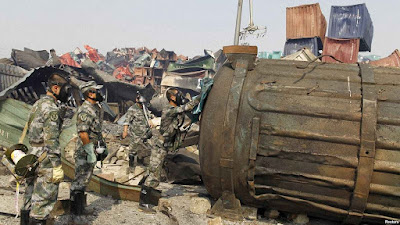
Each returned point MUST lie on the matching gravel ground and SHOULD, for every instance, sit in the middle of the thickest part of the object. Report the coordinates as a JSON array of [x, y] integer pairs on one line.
[[110, 211]]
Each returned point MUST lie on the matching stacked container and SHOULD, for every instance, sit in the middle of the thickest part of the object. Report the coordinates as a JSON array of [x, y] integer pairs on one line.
[[305, 27], [347, 24]]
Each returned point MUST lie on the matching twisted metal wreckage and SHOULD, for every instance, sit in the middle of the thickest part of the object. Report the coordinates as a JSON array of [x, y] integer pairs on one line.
[[314, 138]]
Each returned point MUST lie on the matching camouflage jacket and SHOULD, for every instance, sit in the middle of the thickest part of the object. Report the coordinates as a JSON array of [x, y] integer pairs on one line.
[[171, 120], [45, 125], [89, 120], [136, 120]]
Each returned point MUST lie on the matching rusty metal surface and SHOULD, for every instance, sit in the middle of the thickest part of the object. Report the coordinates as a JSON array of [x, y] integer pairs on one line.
[[302, 147], [393, 60], [345, 50], [305, 21]]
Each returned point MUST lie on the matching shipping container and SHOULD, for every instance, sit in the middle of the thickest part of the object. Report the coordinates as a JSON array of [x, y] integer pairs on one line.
[[392, 60], [345, 50], [294, 45], [305, 21], [352, 22]]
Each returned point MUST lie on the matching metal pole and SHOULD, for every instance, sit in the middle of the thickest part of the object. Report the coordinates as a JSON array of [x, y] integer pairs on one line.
[[238, 21], [251, 12]]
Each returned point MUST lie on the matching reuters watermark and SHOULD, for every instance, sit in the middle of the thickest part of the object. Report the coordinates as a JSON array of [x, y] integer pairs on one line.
[[392, 221]]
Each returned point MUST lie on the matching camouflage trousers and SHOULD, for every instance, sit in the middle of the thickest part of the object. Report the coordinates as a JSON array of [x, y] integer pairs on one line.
[[157, 158], [138, 147], [40, 193], [83, 171]]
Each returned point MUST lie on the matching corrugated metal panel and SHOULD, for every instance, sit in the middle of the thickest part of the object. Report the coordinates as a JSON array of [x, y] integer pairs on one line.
[[352, 22], [305, 21], [294, 45], [10, 74], [345, 50], [303, 55], [13, 116], [392, 60]]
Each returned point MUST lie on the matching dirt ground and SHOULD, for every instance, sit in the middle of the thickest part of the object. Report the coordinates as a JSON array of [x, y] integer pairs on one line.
[[110, 211]]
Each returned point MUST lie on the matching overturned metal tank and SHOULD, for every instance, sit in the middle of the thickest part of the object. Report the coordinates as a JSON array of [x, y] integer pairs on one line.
[[321, 139]]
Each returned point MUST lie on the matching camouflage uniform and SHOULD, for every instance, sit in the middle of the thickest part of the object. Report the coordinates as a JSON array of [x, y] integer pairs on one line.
[[44, 130], [138, 129], [90, 121], [171, 120]]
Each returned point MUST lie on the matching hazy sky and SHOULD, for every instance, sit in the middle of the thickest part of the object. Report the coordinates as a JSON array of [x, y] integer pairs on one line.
[[185, 26]]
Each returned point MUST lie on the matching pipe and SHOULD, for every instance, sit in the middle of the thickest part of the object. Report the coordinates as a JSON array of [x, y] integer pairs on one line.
[[251, 13], [238, 21]]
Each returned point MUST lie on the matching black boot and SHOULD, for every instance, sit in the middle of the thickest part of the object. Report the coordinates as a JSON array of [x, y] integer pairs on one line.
[[132, 162], [77, 202], [149, 198], [34, 221], [24, 220]]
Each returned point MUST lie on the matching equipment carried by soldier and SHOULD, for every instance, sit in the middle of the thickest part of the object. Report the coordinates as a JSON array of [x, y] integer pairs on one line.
[[20, 164]]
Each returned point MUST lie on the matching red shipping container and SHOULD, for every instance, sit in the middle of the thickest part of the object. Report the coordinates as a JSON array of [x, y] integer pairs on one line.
[[122, 72], [392, 60], [345, 50], [67, 59], [305, 21]]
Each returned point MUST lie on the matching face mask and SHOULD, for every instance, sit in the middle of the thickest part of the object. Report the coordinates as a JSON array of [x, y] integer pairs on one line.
[[180, 100], [99, 96], [65, 93]]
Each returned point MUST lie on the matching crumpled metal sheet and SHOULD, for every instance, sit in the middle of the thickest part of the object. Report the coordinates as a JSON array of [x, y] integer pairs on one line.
[[117, 90], [189, 81], [33, 84]]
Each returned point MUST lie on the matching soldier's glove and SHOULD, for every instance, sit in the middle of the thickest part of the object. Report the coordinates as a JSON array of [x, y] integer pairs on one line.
[[89, 149], [58, 174], [149, 134]]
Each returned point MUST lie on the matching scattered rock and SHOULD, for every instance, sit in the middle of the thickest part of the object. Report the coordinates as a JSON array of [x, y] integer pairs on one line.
[[249, 212], [216, 221], [271, 214], [122, 162], [164, 203], [200, 205], [121, 155], [113, 160], [301, 219]]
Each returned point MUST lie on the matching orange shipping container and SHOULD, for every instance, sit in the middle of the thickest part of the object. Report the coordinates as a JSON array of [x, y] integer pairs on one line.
[[345, 50], [305, 21], [392, 60]]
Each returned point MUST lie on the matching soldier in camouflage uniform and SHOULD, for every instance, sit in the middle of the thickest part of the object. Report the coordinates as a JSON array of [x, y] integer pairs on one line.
[[138, 128], [44, 127], [89, 128], [167, 140]]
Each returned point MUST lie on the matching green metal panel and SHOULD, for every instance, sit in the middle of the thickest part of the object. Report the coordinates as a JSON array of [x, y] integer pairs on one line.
[[13, 116], [206, 63]]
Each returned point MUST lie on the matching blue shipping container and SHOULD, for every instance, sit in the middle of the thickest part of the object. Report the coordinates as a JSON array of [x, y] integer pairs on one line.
[[352, 22], [294, 45]]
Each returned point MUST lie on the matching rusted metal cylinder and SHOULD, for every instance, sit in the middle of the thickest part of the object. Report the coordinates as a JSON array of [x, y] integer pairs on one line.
[[321, 139]]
